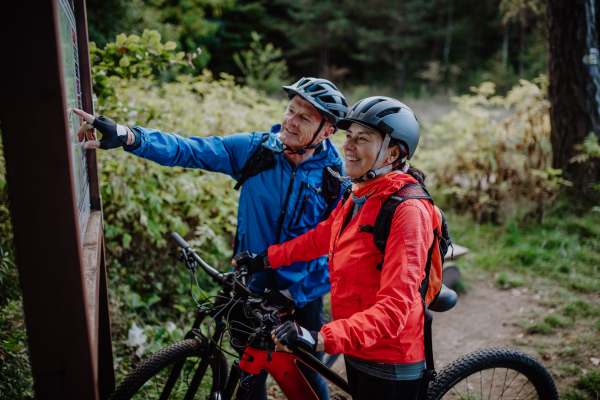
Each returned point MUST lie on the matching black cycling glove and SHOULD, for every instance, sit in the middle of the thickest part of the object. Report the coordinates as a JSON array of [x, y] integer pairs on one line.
[[254, 262], [113, 135], [277, 299], [294, 336]]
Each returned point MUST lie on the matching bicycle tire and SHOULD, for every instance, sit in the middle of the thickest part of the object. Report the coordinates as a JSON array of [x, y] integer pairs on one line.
[[454, 379], [186, 350]]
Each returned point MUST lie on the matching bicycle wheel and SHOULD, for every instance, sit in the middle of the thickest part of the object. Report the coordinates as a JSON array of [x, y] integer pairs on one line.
[[169, 373], [498, 373]]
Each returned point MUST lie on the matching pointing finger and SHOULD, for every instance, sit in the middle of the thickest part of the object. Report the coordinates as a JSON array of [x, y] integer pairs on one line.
[[88, 117]]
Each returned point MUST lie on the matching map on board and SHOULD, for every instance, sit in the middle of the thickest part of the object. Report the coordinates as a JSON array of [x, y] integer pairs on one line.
[[70, 61]]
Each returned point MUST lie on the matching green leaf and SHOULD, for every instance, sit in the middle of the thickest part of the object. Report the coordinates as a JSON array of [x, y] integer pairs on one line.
[[124, 62], [133, 39], [126, 240], [121, 39], [170, 45]]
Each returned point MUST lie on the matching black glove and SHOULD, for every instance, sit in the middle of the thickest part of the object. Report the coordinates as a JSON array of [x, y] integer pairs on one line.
[[254, 262], [294, 336], [277, 299], [113, 135]]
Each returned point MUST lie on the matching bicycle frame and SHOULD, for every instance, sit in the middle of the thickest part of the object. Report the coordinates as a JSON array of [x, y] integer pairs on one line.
[[283, 367]]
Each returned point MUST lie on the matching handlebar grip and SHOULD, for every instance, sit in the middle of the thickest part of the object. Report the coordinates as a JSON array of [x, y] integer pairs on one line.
[[179, 240]]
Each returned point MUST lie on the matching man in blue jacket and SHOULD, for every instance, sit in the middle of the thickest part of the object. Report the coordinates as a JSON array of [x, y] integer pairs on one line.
[[286, 190]]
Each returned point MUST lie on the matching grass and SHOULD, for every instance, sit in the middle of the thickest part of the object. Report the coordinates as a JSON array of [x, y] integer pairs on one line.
[[559, 260]]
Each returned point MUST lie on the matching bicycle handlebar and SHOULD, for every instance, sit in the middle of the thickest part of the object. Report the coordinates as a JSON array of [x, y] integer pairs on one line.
[[185, 246], [179, 240]]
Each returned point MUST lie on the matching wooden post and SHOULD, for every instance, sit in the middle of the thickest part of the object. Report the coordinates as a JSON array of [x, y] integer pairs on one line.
[[55, 198]]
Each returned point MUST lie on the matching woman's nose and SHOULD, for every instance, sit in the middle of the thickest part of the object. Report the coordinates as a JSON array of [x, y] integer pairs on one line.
[[348, 145]]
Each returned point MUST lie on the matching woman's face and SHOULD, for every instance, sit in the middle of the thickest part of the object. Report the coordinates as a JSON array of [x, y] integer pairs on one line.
[[362, 147]]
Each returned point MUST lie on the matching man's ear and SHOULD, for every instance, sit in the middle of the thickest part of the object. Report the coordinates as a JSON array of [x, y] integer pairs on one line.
[[327, 131]]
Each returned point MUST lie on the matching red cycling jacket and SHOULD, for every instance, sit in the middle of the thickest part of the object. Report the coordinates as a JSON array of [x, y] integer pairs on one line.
[[378, 315]]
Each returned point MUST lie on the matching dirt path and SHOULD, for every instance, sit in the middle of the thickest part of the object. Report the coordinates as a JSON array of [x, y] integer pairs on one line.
[[484, 317]]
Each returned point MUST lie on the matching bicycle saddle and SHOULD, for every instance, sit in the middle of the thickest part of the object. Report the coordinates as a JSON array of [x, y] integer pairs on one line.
[[446, 300]]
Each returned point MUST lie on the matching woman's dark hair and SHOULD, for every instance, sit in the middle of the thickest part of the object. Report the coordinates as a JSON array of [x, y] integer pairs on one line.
[[398, 165]]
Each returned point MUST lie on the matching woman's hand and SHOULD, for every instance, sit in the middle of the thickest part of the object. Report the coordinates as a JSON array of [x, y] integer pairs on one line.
[[114, 135], [290, 333]]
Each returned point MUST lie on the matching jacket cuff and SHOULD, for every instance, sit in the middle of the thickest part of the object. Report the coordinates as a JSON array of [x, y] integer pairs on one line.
[[328, 339], [140, 140], [274, 255]]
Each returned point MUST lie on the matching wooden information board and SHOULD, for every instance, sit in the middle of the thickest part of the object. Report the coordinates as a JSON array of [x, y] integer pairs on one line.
[[55, 197]]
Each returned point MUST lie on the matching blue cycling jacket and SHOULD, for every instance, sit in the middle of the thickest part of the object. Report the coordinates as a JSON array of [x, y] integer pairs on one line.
[[275, 206]]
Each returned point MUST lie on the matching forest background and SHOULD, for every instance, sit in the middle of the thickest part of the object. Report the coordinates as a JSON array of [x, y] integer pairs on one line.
[[474, 72]]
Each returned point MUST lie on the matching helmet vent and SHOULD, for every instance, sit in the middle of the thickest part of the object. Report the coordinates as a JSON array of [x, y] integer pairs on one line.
[[314, 88], [330, 84], [344, 102], [327, 99], [371, 104], [387, 112], [356, 105]]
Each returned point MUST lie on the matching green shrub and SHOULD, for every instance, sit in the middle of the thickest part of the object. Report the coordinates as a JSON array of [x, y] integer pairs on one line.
[[492, 155], [590, 383], [574, 394]]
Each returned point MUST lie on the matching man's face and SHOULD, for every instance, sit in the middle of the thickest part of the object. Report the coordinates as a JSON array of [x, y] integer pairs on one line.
[[300, 122]]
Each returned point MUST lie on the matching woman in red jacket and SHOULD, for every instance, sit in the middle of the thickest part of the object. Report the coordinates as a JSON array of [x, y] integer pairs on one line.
[[377, 309]]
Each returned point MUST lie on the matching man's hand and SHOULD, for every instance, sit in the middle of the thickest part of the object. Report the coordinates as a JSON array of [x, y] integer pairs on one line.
[[290, 335], [254, 262], [113, 135], [277, 299]]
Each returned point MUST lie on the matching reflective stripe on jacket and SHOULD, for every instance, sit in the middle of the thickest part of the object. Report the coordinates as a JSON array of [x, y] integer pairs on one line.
[[280, 196], [378, 315]]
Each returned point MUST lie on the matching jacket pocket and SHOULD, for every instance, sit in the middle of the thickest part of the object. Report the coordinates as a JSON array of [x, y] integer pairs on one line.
[[308, 209]]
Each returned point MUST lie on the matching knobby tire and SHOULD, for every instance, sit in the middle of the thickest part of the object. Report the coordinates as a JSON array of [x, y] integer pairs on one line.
[[133, 386], [496, 368]]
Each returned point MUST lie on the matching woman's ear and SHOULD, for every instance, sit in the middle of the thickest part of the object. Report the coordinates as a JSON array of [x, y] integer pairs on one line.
[[394, 153]]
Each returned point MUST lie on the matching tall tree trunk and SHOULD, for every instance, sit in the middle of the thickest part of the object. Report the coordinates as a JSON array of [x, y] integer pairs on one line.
[[435, 49], [400, 58], [324, 59], [522, 41], [505, 48], [574, 92], [469, 51], [448, 40]]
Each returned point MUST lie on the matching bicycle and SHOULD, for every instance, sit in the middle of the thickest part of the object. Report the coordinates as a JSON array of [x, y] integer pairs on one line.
[[177, 371]]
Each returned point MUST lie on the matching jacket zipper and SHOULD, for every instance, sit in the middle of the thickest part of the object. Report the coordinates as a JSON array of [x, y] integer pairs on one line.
[[302, 207], [285, 203]]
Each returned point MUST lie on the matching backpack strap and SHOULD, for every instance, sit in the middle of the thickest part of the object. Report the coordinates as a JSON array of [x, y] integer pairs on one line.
[[261, 160], [383, 222], [381, 233]]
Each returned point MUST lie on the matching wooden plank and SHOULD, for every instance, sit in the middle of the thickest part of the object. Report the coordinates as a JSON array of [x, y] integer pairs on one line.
[[92, 244], [85, 73], [106, 373], [43, 202]]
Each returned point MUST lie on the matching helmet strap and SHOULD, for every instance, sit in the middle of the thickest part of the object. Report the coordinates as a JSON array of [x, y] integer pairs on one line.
[[374, 172], [301, 151]]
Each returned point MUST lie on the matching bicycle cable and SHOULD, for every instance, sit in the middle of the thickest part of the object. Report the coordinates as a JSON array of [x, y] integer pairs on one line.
[[212, 339]]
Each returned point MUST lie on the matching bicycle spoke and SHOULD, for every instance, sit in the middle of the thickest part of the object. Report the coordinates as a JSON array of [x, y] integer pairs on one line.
[[481, 384], [458, 393], [523, 387], [502, 394], [492, 384], [529, 394]]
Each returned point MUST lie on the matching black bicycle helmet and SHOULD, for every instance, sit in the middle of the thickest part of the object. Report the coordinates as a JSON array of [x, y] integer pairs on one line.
[[390, 117]]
